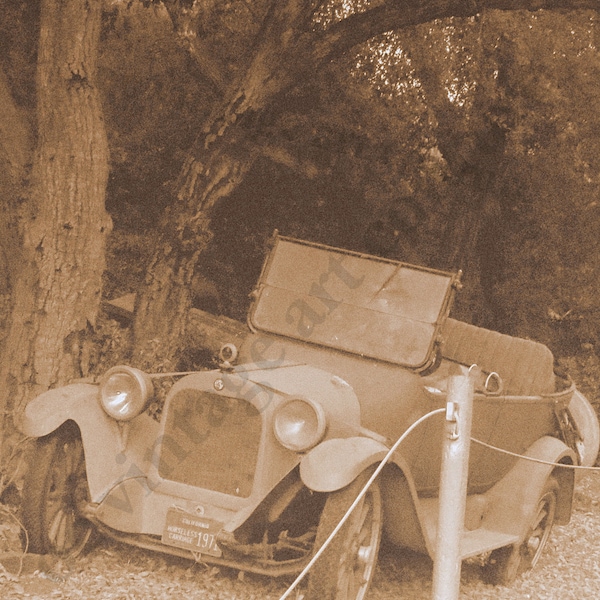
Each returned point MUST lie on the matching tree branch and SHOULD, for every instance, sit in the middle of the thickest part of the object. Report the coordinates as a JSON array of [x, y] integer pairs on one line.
[[183, 19], [398, 14], [282, 156]]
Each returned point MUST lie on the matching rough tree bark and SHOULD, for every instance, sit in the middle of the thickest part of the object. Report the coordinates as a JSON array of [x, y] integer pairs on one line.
[[63, 224], [288, 49], [15, 155]]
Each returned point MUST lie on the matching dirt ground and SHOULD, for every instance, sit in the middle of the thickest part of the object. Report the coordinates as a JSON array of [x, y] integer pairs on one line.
[[569, 569]]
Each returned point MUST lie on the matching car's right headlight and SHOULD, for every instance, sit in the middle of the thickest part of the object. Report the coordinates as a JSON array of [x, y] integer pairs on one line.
[[125, 392], [299, 424]]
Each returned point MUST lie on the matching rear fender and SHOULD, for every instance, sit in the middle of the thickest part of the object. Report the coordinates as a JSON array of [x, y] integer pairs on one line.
[[113, 451], [586, 419], [512, 501]]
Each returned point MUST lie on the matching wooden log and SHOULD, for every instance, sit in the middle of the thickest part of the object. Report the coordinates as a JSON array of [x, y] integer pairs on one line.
[[209, 331], [204, 330]]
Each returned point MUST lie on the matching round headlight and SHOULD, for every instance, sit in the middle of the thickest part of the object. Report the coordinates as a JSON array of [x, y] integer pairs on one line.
[[125, 392], [299, 424]]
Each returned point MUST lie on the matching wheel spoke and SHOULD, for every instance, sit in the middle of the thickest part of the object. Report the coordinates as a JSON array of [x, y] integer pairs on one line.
[[53, 504], [54, 500], [507, 563], [537, 534], [56, 531], [358, 563], [353, 586], [541, 517], [344, 581], [70, 531], [58, 480], [67, 457], [364, 511], [365, 524], [78, 459]]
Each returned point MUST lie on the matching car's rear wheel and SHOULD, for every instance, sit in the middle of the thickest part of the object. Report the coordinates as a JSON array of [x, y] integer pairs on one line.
[[54, 490], [506, 564], [346, 568]]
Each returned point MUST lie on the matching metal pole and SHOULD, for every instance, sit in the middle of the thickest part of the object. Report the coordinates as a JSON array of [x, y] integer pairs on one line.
[[453, 487]]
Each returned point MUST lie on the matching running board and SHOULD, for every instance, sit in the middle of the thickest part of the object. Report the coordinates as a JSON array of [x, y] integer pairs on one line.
[[474, 541], [480, 541]]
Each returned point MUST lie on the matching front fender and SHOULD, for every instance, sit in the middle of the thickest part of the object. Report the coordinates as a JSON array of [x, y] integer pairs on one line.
[[76, 402], [113, 451], [335, 463]]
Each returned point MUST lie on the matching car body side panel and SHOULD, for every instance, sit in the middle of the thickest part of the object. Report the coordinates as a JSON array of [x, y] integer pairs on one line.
[[391, 398], [506, 508], [113, 451]]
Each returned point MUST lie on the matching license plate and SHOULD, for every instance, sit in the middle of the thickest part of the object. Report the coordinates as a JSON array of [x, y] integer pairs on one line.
[[188, 531]]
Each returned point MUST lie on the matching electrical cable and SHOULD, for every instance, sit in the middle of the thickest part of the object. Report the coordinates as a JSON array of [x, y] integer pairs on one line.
[[531, 459], [367, 485]]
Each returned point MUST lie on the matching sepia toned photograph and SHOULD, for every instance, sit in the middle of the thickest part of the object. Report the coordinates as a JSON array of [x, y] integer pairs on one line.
[[299, 299]]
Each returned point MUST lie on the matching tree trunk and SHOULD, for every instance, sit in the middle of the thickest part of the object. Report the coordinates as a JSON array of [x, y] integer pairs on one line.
[[64, 225], [218, 162]]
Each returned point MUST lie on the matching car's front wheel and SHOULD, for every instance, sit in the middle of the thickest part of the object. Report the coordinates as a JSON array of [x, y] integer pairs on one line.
[[345, 569], [54, 490]]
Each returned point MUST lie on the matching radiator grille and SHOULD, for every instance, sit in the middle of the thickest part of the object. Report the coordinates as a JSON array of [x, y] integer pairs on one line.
[[211, 442]]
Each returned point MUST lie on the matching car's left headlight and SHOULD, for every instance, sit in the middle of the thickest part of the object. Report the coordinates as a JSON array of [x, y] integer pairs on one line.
[[299, 424], [125, 392]]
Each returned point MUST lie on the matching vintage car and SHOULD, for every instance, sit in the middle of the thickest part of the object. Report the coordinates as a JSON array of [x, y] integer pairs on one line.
[[253, 464]]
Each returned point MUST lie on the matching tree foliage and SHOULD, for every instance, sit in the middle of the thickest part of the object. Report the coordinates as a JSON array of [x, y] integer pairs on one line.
[[154, 103], [446, 133], [418, 144]]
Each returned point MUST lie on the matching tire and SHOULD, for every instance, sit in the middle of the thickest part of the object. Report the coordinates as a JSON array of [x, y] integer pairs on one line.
[[345, 570], [506, 564], [54, 489]]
